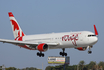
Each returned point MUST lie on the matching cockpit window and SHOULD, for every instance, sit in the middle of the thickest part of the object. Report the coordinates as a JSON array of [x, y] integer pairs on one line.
[[91, 35]]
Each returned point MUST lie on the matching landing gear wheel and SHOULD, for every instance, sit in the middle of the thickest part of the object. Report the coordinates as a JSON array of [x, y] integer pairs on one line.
[[89, 52], [37, 53], [63, 53], [40, 54]]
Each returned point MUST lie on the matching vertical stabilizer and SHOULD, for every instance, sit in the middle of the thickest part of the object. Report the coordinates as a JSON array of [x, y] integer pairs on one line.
[[17, 31]]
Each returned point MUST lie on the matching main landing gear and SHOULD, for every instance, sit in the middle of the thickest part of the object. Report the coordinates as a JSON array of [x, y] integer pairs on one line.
[[40, 54], [63, 53], [89, 52]]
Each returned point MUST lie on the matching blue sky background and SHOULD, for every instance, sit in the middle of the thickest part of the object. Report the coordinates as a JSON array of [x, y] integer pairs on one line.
[[47, 16]]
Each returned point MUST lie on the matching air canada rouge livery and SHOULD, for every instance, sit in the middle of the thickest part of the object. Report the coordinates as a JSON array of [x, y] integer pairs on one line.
[[80, 40]]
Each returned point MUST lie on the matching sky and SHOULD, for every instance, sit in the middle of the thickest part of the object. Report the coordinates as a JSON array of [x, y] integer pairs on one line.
[[48, 16]]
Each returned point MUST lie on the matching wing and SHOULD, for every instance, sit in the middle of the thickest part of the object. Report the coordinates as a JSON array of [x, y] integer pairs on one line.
[[26, 43]]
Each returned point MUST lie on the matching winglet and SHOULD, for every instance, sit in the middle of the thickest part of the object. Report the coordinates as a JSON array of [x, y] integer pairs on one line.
[[95, 29]]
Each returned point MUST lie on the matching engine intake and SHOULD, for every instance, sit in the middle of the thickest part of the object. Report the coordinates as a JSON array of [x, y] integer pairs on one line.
[[42, 47]]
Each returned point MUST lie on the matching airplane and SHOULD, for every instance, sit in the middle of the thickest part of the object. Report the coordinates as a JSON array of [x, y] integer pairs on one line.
[[80, 40]]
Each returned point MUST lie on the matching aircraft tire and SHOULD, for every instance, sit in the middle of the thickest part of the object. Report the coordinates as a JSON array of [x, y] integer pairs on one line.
[[60, 53], [37, 53], [65, 54], [89, 52], [42, 55]]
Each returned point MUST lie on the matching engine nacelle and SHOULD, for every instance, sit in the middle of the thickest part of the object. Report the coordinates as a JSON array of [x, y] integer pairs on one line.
[[82, 48], [42, 47]]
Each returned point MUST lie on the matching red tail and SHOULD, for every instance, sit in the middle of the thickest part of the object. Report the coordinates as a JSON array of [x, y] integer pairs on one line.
[[17, 31]]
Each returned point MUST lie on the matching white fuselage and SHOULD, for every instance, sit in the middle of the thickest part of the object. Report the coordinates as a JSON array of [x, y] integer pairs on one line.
[[65, 39]]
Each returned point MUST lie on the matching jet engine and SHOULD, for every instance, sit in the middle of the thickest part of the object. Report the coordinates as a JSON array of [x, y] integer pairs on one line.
[[42, 47], [81, 48]]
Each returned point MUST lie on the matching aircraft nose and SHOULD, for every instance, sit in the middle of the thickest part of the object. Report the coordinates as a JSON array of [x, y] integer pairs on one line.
[[95, 39]]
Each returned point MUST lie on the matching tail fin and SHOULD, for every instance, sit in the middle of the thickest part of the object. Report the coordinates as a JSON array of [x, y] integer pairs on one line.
[[17, 31]]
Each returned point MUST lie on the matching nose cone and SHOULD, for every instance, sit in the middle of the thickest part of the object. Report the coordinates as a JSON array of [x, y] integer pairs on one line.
[[94, 40]]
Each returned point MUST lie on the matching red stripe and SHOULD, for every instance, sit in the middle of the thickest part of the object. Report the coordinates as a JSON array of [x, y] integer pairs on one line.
[[23, 34], [18, 38], [10, 14], [14, 23]]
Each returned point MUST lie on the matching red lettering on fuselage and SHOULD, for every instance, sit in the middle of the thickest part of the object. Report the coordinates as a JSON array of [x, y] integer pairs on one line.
[[72, 37]]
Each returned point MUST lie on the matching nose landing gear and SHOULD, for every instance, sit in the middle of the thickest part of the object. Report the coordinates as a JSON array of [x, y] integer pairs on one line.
[[63, 53], [89, 52]]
